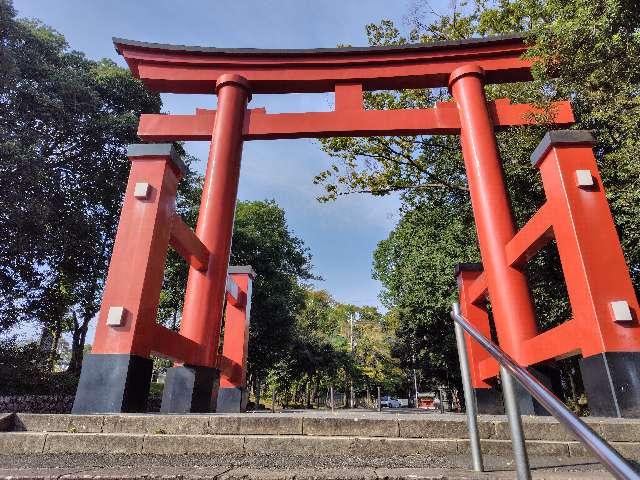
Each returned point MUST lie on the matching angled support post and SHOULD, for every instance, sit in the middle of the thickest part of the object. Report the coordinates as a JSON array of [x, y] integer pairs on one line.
[[232, 395], [487, 397], [116, 375]]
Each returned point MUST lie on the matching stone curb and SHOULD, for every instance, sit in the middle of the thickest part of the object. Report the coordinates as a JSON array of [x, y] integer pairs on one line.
[[364, 424], [126, 443]]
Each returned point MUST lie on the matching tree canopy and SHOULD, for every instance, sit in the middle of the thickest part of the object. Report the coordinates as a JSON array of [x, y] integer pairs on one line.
[[64, 123], [584, 51]]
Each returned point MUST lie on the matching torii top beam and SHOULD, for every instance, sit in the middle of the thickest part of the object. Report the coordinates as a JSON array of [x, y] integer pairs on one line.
[[188, 69]]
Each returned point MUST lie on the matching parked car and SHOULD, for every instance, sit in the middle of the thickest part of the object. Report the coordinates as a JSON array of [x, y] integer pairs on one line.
[[389, 402]]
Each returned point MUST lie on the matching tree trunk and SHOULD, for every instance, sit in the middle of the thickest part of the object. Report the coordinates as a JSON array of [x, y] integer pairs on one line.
[[49, 345], [256, 387], [78, 342]]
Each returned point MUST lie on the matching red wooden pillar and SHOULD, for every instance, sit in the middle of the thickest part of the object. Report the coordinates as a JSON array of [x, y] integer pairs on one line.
[[232, 396], [510, 298], [116, 375], [603, 300], [474, 310], [202, 313], [193, 387]]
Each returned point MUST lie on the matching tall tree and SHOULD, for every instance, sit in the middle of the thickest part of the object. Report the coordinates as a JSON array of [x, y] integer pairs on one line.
[[64, 123], [262, 239]]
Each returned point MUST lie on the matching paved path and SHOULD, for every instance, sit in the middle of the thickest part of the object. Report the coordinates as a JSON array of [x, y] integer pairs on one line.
[[276, 467]]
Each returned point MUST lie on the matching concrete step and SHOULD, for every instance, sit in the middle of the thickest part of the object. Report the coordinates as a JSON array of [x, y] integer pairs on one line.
[[133, 443], [358, 434]]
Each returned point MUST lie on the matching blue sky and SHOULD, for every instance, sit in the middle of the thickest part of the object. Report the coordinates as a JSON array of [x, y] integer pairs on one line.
[[341, 235]]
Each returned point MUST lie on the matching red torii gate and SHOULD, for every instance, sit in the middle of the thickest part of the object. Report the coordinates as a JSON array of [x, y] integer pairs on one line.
[[234, 74]]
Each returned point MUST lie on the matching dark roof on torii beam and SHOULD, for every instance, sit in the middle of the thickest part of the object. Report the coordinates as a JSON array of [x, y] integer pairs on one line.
[[191, 69]]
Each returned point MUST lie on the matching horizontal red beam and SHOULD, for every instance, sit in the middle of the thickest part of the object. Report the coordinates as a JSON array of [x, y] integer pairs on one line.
[[182, 69], [535, 234], [478, 289], [556, 343], [230, 369], [188, 245], [259, 125], [173, 345], [559, 342]]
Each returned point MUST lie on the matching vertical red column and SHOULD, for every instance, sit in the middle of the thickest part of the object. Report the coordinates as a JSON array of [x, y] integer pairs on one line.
[[510, 298], [603, 301], [487, 397], [115, 376], [202, 313], [232, 396]]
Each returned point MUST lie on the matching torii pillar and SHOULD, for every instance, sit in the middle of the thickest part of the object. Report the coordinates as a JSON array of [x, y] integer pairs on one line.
[[204, 299]]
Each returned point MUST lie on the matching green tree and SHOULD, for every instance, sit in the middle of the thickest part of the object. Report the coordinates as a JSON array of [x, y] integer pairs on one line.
[[339, 345], [64, 123], [584, 51], [262, 239]]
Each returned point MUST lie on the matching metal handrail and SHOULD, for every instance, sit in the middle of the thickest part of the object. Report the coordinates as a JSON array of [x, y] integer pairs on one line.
[[610, 458]]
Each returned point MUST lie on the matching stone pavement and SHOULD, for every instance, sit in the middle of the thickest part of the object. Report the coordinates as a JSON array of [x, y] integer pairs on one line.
[[279, 467]]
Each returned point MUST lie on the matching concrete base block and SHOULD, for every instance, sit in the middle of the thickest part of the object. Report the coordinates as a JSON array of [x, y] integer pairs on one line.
[[190, 389], [232, 400], [270, 425], [612, 383], [550, 377], [113, 383], [55, 422], [489, 401], [193, 445]]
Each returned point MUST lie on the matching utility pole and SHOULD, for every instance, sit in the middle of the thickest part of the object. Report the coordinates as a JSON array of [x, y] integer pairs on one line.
[[415, 375], [415, 379], [351, 398], [331, 386]]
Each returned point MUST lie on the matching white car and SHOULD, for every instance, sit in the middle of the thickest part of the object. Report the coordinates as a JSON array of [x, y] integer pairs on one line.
[[389, 402]]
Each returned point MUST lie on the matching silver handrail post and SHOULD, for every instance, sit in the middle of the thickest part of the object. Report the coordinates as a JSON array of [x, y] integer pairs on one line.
[[469, 396], [515, 425], [610, 458]]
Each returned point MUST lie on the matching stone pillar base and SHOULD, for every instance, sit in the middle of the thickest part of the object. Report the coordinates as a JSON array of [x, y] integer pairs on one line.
[[489, 401], [113, 383], [232, 400], [550, 377], [612, 383], [190, 389]]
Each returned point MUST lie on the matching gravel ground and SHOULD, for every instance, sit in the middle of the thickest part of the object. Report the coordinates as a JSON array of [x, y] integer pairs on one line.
[[279, 462]]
